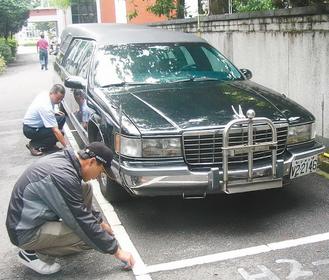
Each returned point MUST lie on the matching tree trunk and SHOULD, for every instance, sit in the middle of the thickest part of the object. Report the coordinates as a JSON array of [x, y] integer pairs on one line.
[[180, 8]]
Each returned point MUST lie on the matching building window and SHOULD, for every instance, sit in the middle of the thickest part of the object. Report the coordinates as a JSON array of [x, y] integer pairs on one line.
[[84, 11]]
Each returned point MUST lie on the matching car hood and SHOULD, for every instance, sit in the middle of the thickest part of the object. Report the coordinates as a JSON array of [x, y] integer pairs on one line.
[[191, 105]]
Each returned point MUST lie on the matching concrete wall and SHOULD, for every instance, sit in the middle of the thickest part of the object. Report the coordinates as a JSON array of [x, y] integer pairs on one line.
[[287, 50]]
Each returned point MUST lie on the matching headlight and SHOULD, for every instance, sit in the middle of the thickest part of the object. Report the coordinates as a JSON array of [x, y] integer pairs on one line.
[[301, 133], [167, 147], [130, 147], [136, 147]]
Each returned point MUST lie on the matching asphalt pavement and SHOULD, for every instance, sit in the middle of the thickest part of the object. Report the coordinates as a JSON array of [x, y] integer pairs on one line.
[[22, 81]]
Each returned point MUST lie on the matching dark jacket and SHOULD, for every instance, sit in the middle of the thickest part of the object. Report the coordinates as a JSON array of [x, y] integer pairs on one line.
[[51, 189]]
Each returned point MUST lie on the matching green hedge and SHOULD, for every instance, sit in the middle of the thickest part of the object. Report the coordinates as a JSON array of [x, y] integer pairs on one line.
[[5, 51], [12, 43], [8, 49], [2, 65]]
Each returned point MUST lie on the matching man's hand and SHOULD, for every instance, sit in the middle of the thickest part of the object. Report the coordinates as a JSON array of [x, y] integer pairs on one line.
[[107, 228], [59, 136], [126, 258], [60, 113]]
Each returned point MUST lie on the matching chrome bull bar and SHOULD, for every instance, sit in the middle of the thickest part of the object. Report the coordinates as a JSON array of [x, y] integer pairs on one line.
[[250, 148]]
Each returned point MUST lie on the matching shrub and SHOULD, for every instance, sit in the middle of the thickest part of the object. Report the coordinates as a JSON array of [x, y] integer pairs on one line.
[[5, 51], [252, 5], [2, 64], [12, 43]]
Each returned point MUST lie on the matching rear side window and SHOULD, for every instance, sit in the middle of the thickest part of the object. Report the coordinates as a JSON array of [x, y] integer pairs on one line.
[[69, 61], [78, 57], [65, 43], [86, 54]]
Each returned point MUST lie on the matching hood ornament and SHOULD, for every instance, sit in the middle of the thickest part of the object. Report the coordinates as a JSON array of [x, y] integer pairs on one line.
[[240, 115]]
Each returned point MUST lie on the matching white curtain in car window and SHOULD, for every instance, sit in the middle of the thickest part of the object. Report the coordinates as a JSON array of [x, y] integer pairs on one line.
[[120, 11]]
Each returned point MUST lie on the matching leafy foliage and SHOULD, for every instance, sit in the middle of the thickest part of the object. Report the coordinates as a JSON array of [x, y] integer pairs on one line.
[[60, 4], [5, 51], [13, 15], [162, 7], [2, 64], [252, 5], [12, 43]]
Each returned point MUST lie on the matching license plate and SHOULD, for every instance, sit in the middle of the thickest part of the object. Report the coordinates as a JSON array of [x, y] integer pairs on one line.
[[303, 166]]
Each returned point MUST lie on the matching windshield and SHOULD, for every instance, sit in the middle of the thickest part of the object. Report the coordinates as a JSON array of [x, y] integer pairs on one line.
[[161, 63]]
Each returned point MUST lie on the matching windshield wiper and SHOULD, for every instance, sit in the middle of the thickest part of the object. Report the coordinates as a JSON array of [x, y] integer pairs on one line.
[[195, 79], [123, 83]]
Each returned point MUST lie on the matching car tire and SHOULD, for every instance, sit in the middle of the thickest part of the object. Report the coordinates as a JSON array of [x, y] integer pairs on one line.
[[111, 190]]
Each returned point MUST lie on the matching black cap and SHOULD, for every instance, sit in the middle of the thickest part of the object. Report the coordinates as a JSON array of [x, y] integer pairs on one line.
[[102, 153]]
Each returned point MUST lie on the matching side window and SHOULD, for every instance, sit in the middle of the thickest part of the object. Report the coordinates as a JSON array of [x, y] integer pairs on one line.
[[220, 64], [85, 60], [69, 56], [65, 43], [215, 62], [188, 57]]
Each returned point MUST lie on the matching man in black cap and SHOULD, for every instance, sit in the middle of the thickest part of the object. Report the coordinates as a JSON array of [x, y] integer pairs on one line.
[[50, 211]]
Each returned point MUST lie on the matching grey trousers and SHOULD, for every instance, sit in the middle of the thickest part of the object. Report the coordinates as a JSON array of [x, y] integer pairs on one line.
[[56, 239]]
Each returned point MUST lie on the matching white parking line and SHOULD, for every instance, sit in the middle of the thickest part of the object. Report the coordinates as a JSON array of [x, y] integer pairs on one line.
[[121, 235], [237, 253]]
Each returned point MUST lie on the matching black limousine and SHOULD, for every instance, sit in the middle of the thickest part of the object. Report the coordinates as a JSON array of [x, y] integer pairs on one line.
[[179, 116]]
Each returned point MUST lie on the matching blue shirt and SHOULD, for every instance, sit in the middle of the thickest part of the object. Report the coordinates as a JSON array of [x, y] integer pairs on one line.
[[41, 113]]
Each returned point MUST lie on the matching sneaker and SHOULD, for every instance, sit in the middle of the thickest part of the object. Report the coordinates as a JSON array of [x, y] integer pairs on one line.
[[41, 67], [34, 151], [32, 261]]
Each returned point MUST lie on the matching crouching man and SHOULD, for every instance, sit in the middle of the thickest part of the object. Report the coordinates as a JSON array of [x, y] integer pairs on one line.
[[50, 211], [42, 125]]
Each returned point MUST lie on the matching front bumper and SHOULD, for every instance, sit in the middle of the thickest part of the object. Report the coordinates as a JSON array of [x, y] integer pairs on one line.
[[175, 178]]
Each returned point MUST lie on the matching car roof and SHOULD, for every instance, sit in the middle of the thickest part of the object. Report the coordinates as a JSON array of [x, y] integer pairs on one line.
[[114, 34]]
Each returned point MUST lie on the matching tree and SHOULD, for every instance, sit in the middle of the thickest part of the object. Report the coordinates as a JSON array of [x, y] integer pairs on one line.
[[61, 4], [13, 15], [163, 7]]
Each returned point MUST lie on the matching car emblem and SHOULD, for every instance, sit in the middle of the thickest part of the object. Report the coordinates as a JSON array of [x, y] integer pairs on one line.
[[238, 115]]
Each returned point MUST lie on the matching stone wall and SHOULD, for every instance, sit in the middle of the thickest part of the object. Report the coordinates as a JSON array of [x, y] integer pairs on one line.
[[287, 50]]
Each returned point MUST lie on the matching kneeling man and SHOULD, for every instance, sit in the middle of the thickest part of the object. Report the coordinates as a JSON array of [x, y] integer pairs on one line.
[[42, 125]]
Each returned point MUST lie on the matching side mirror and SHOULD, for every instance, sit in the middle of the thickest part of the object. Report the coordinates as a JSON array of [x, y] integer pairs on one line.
[[75, 82], [247, 73]]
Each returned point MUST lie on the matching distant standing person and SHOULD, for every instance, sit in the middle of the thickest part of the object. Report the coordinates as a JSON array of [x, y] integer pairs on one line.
[[42, 49], [42, 125]]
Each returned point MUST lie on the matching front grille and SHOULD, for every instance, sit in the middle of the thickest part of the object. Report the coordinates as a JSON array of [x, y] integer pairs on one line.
[[205, 147]]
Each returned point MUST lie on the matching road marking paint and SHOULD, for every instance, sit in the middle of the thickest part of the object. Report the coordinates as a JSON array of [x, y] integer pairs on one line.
[[121, 234], [321, 262], [208, 259], [299, 241], [238, 253]]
